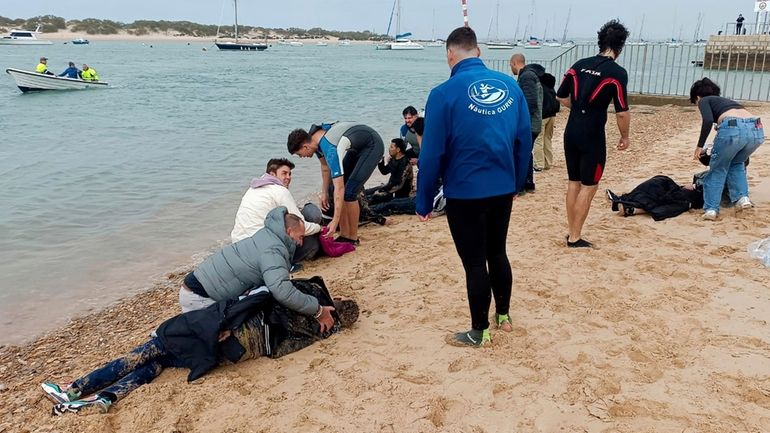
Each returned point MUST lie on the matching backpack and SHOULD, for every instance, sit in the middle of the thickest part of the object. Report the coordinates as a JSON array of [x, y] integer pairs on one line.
[[550, 104]]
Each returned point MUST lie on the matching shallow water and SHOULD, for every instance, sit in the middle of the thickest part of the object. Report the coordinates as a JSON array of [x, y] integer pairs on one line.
[[104, 191]]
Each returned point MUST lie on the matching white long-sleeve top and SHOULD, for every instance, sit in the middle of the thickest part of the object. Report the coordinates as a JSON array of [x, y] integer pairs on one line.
[[255, 205]]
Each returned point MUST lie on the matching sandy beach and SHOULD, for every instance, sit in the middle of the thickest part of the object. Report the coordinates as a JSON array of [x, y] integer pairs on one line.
[[662, 328], [68, 35]]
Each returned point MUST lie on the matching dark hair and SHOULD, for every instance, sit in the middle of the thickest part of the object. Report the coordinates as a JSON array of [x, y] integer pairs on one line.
[[297, 139], [463, 38], [612, 36], [274, 164], [548, 80], [400, 144], [72, 64], [409, 110], [419, 126], [703, 87], [292, 221]]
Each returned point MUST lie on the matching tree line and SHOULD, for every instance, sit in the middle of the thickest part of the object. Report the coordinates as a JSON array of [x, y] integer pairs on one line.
[[92, 26]]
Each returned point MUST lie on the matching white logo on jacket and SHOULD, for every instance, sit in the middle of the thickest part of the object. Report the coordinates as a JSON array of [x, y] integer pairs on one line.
[[489, 93]]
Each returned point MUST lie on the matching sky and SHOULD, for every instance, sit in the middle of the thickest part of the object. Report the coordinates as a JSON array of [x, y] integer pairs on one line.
[[662, 18]]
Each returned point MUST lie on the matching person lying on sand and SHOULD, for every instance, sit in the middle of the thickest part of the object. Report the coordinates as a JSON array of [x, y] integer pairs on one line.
[[226, 332]]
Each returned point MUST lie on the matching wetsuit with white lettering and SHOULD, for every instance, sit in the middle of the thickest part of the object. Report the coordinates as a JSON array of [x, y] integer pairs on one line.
[[591, 84]]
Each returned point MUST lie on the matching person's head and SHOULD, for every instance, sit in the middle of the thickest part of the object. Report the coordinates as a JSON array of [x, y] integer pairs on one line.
[[44, 60], [347, 311], [397, 147], [299, 143], [410, 113], [85, 67], [740, 15], [280, 168], [702, 88], [295, 227], [419, 126], [517, 63], [72, 64], [612, 38], [548, 80], [461, 44]]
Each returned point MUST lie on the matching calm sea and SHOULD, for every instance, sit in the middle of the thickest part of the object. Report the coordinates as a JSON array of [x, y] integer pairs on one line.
[[104, 191]]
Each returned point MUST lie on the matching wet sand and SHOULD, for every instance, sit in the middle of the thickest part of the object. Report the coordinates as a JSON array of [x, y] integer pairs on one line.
[[662, 328]]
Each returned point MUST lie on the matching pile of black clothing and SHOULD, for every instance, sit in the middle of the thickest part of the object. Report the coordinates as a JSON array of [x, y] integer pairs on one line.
[[659, 196]]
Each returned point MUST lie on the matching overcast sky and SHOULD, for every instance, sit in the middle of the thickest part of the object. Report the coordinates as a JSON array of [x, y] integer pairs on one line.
[[663, 18]]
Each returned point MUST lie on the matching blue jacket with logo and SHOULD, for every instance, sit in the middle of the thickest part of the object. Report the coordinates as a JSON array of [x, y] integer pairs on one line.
[[477, 136]]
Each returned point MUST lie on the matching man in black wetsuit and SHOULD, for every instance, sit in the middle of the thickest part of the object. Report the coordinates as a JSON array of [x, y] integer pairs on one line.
[[739, 24], [587, 89]]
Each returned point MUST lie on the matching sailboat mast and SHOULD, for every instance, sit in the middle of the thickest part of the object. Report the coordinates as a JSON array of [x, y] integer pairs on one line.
[[566, 23], [641, 28], [398, 18], [497, 22], [433, 34], [235, 2], [392, 11], [516, 33]]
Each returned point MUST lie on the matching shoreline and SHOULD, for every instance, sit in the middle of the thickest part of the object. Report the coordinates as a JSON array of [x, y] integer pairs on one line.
[[660, 329], [67, 36]]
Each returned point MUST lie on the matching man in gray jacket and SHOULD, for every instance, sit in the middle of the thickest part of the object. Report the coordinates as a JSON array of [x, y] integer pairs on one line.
[[529, 81], [263, 259]]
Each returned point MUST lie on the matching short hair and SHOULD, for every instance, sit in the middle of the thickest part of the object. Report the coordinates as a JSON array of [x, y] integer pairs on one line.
[[419, 126], [292, 221], [518, 57], [296, 140], [400, 144], [463, 38], [409, 110], [703, 87], [612, 36], [274, 164], [72, 64]]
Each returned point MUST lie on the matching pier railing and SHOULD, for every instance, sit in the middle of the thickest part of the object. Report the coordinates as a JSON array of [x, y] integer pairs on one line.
[[670, 69], [747, 29]]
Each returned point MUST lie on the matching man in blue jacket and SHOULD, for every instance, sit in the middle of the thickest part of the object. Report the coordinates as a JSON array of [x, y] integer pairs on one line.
[[478, 141], [71, 72]]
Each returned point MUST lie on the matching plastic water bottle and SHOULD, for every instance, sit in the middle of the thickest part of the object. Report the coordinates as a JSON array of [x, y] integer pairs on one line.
[[760, 250]]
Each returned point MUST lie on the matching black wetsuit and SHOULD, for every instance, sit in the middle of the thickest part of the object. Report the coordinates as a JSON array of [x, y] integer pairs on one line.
[[591, 84]]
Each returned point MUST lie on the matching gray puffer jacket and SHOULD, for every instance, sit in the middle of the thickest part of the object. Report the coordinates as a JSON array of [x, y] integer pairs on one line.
[[529, 81], [263, 259]]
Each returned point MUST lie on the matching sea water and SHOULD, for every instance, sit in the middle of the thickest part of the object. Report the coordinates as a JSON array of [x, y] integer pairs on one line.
[[104, 191]]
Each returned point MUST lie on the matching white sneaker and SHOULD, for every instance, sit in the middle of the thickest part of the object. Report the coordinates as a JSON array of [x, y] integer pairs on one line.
[[710, 215], [744, 203]]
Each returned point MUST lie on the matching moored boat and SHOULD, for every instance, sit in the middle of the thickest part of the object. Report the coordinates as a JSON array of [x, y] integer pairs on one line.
[[80, 41], [28, 81], [23, 37]]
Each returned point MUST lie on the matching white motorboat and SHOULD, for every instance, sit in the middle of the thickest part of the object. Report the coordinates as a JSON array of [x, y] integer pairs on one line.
[[295, 44], [434, 44], [344, 43], [23, 37], [499, 46], [321, 44], [28, 81]]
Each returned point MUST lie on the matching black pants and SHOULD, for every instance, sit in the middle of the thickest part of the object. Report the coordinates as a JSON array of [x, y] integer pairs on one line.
[[479, 229], [531, 169]]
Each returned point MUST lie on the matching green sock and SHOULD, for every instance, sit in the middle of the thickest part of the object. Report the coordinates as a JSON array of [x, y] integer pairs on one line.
[[485, 335], [502, 318]]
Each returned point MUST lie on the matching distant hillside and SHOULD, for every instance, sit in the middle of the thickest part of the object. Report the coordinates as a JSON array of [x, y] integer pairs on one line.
[[92, 26]]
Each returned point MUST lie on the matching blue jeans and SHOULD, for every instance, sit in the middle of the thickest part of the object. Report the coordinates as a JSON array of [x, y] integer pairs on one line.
[[736, 140], [123, 375]]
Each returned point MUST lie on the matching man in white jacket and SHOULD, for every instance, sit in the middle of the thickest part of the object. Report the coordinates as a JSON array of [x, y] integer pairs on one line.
[[265, 194]]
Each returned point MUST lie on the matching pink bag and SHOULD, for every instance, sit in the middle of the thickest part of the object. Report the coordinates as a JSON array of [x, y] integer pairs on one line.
[[333, 248]]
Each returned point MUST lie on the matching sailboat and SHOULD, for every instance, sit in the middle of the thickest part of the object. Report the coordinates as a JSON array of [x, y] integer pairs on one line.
[[402, 42], [433, 42], [237, 46], [497, 44]]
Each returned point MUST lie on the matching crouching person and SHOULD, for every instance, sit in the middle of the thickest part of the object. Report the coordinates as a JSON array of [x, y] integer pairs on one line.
[[229, 331], [263, 259]]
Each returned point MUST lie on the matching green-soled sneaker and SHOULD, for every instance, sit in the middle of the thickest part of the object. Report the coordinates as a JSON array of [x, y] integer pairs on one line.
[[472, 338], [91, 405], [57, 394], [504, 322]]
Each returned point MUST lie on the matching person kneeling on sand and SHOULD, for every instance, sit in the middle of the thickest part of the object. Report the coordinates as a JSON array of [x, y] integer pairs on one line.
[[401, 176], [260, 260], [266, 193], [226, 332]]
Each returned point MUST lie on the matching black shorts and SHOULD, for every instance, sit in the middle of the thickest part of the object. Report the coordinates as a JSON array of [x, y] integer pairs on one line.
[[585, 152]]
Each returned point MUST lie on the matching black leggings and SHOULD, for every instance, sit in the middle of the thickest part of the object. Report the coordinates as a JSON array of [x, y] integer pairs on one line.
[[479, 228]]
